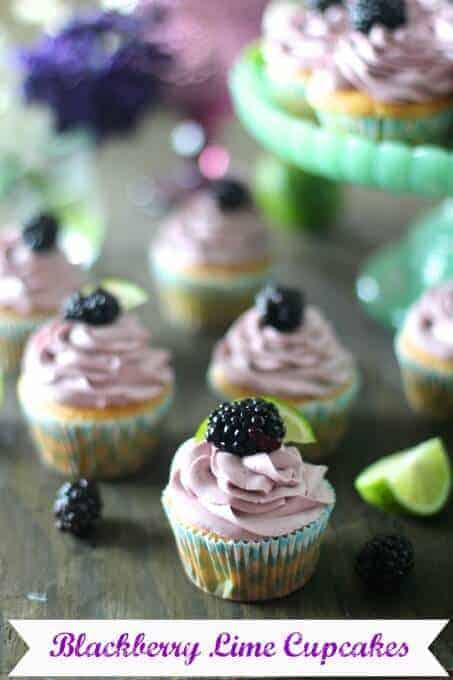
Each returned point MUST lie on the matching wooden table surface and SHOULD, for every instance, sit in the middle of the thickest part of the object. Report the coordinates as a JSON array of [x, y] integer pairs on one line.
[[131, 569]]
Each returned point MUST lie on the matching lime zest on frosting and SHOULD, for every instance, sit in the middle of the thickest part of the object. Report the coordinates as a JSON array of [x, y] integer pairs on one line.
[[129, 295]]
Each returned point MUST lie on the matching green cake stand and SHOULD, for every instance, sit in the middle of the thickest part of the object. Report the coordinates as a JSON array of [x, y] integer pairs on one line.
[[395, 277]]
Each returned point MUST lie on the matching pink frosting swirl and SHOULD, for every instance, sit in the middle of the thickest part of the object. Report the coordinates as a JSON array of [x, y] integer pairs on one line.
[[265, 495], [443, 26], [200, 233], [308, 363], [405, 65], [429, 324], [33, 282], [301, 39], [75, 364]]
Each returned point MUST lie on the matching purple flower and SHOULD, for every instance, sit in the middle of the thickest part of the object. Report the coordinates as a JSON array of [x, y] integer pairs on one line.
[[98, 73]]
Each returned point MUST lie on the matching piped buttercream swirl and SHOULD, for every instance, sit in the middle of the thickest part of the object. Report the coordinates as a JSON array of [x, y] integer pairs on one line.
[[429, 324], [308, 363], [75, 364], [258, 496], [200, 233], [34, 283]]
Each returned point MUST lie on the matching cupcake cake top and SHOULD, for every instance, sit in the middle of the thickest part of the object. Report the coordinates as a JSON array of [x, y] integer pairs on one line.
[[217, 226], [242, 481], [392, 54], [283, 347], [301, 35], [96, 356], [35, 275], [429, 324]]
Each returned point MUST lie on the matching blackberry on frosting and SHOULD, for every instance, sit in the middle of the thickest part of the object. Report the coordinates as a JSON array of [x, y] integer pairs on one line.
[[365, 14], [280, 307], [40, 234], [99, 308]]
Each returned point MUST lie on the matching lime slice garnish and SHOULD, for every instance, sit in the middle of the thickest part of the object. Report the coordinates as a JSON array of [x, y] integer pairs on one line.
[[417, 480], [298, 429], [129, 294]]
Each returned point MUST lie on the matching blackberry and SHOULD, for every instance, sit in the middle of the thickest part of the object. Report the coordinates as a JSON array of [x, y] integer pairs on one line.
[[40, 234], [231, 194], [77, 507], [246, 427], [280, 307], [364, 14], [384, 562], [321, 5], [97, 309]]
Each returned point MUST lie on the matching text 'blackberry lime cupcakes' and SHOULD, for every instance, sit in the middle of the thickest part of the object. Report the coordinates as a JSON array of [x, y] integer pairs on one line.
[[424, 348], [35, 277], [284, 348], [93, 390], [389, 78], [248, 514], [298, 37], [211, 256]]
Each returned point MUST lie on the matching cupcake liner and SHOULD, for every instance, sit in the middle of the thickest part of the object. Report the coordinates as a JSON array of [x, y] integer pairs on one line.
[[14, 334], [428, 390], [249, 571], [196, 302], [432, 129], [96, 449], [329, 418]]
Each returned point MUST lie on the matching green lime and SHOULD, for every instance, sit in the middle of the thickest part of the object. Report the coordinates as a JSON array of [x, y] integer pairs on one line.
[[129, 294], [298, 429], [417, 480]]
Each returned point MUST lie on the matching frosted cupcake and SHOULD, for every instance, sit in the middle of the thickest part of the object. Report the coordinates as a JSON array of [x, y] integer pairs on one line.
[[93, 390], [211, 256], [35, 277], [282, 348], [248, 514], [297, 38], [388, 79], [424, 348]]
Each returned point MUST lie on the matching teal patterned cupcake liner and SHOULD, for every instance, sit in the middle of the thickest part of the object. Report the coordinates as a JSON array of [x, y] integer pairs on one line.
[[433, 129], [14, 334], [428, 391], [249, 571], [95, 449]]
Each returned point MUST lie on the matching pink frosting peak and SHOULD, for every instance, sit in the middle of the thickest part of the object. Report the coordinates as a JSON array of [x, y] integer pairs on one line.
[[405, 65], [443, 24], [33, 282], [308, 363], [300, 39], [429, 324], [200, 233], [75, 364], [265, 495]]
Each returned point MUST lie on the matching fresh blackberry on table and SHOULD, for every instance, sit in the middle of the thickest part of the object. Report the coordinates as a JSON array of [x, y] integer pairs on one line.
[[321, 5], [364, 14], [78, 507], [40, 234], [231, 194], [246, 427], [280, 307], [98, 309], [384, 563]]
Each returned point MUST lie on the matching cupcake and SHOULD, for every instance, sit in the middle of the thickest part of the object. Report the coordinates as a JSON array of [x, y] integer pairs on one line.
[[388, 79], [93, 390], [211, 256], [248, 514], [287, 350], [424, 348], [35, 277], [297, 38]]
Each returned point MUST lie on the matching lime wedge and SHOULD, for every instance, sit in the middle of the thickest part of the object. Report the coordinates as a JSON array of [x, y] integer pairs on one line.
[[417, 480], [129, 294], [298, 429]]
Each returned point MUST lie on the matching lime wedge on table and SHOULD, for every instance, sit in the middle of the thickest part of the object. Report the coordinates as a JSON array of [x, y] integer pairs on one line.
[[417, 480], [298, 429], [129, 294]]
